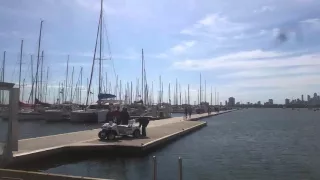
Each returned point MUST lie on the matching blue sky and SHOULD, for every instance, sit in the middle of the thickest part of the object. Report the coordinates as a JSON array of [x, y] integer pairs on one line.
[[231, 43]]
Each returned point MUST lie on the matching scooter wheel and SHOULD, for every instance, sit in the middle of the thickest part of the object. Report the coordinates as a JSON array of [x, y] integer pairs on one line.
[[136, 133], [102, 135], [111, 135]]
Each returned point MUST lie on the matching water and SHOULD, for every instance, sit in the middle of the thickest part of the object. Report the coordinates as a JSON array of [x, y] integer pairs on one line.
[[255, 144]]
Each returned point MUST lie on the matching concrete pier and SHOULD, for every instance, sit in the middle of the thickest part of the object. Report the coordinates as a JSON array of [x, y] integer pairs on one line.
[[86, 142]]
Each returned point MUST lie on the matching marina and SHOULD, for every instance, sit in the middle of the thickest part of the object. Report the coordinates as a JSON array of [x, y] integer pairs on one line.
[[119, 90]]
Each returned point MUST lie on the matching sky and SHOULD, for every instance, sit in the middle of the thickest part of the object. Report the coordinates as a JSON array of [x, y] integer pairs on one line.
[[232, 44]]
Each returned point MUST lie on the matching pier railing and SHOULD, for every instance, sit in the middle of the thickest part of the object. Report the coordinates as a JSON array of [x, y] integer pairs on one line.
[[155, 168], [9, 104]]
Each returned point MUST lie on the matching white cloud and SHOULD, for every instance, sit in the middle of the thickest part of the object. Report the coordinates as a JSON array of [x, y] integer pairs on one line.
[[182, 47], [277, 82], [88, 54], [254, 35], [16, 34], [94, 5], [268, 72], [312, 23], [213, 24], [264, 9], [248, 60]]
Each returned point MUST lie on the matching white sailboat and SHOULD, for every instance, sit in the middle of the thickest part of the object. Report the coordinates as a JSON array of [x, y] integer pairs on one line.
[[34, 113], [95, 112]]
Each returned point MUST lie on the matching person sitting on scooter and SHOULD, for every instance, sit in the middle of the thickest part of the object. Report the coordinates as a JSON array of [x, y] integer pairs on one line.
[[124, 116]]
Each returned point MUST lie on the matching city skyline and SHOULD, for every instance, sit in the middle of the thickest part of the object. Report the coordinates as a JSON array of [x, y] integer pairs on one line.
[[310, 100]]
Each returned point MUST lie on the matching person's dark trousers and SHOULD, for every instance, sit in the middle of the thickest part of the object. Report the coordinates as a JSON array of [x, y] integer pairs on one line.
[[143, 122], [144, 133]]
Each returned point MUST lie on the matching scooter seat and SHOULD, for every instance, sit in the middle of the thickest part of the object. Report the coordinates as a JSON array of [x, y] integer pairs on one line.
[[123, 125]]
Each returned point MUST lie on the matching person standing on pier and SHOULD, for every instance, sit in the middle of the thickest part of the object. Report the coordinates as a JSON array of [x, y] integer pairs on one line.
[[109, 115], [116, 115], [124, 116], [186, 112], [143, 122], [190, 111]]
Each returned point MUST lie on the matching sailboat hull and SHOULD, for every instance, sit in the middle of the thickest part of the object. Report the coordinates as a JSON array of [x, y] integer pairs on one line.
[[55, 116]]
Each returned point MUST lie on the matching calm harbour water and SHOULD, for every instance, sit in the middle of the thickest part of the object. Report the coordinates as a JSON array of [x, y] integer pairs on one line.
[[252, 144]]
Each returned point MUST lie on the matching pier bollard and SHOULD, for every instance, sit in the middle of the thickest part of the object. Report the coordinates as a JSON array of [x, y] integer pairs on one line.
[[154, 168], [180, 168]]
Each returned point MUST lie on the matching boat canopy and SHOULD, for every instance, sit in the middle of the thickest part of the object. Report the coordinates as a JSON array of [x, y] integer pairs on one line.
[[105, 96]]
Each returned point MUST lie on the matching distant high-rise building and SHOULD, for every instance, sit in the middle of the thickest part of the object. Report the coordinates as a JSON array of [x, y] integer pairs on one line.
[[270, 101], [226, 103], [232, 101], [287, 101], [309, 98], [259, 102], [315, 95], [302, 98]]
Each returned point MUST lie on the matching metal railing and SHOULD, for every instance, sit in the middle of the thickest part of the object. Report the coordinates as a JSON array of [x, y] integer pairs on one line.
[[155, 168]]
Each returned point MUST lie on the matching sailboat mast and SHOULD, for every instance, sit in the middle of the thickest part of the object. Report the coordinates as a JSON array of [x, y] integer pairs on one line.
[[205, 90], [32, 80], [71, 88], [215, 96], [80, 86], [23, 84], [169, 98], [180, 93], [3, 65], [160, 89], [38, 60], [21, 49], [131, 93], [142, 77], [94, 57], [211, 96], [100, 48], [46, 89], [41, 75], [200, 92], [67, 74], [3, 80], [106, 83], [188, 95], [152, 97], [120, 90]]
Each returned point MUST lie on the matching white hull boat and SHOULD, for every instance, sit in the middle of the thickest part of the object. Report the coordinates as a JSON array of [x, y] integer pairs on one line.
[[33, 115], [89, 116], [56, 115]]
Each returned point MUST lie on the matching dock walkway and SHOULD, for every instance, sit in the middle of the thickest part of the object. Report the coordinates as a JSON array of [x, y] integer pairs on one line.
[[158, 132]]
